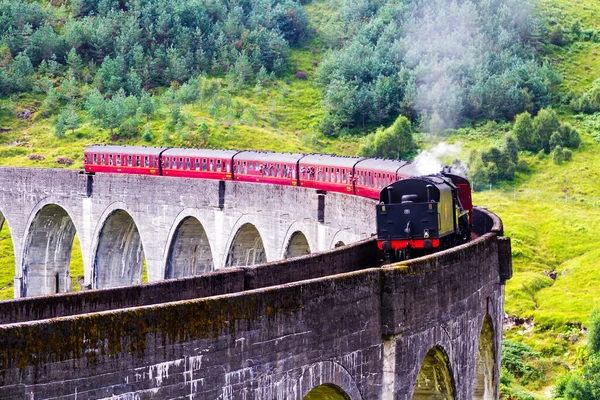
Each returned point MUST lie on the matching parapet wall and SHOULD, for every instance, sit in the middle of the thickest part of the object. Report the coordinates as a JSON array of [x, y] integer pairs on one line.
[[366, 332], [360, 255]]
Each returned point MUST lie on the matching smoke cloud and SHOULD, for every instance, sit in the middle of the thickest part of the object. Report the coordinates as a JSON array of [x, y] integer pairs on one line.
[[452, 45], [440, 45], [443, 154]]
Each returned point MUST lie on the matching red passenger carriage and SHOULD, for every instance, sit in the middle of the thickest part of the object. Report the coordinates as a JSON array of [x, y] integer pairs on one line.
[[266, 167], [198, 163], [123, 159], [326, 172], [373, 174]]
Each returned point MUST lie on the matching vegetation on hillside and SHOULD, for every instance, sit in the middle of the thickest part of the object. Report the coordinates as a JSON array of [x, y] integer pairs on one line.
[[515, 80]]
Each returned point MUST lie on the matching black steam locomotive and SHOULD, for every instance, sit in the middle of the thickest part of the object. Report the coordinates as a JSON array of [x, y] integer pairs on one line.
[[422, 214]]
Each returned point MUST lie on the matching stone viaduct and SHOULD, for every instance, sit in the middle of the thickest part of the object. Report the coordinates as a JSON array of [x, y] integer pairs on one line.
[[221, 318]]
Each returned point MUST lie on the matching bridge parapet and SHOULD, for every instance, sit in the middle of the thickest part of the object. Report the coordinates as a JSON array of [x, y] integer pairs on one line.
[[375, 333]]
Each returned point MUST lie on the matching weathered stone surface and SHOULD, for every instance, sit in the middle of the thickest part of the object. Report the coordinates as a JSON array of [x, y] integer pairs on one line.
[[271, 331], [119, 218], [365, 333]]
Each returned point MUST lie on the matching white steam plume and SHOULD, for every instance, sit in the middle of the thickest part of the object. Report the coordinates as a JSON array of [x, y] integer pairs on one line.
[[443, 154]]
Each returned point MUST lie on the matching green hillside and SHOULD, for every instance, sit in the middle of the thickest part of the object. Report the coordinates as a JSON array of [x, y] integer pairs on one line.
[[319, 76]]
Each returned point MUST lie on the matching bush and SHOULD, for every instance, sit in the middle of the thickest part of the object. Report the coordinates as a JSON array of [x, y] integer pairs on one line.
[[517, 358], [300, 75], [556, 36], [64, 161], [147, 137], [522, 165], [557, 155], [594, 332]]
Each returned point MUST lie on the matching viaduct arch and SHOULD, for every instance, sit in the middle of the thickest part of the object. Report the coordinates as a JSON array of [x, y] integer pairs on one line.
[[124, 221], [329, 323]]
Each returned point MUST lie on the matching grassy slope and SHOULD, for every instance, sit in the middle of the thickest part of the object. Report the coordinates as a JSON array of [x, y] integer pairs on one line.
[[548, 233]]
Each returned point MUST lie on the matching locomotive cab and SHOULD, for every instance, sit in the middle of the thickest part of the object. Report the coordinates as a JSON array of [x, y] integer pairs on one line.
[[419, 214]]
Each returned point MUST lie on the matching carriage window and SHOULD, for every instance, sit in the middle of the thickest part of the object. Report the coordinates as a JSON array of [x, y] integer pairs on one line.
[[187, 163], [102, 159], [204, 164], [110, 159], [146, 161], [154, 162], [118, 159], [197, 163], [130, 161], [278, 171], [227, 166], [343, 176], [337, 175], [244, 169], [95, 158], [212, 165], [250, 166], [218, 165], [137, 161]]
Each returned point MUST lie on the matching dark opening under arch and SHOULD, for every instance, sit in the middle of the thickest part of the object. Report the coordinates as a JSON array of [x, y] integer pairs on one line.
[[189, 252], [247, 248], [435, 377], [297, 246], [485, 376], [47, 252], [119, 256], [326, 392]]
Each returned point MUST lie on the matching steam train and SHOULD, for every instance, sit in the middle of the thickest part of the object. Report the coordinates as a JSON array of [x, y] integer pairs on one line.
[[423, 213], [415, 214]]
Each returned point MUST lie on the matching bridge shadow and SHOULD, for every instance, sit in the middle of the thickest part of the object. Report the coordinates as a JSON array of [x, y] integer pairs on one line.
[[326, 392], [297, 246], [247, 248], [435, 377], [189, 252], [47, 252], [119, 256], [485, 379]]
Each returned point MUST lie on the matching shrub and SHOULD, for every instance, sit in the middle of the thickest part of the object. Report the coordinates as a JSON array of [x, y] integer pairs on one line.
[[36, 157], [147, 137], [64, 161], [557, 155], [300, 75], [594, 332]]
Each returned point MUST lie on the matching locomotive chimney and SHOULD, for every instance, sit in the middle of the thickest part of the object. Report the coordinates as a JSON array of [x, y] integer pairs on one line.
[[428, 193], [390, 190]]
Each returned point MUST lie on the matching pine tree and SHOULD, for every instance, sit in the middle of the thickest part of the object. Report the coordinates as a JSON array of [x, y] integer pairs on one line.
[[147, 105]]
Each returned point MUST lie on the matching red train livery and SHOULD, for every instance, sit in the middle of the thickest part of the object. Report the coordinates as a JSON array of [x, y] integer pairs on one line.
[[351, 175], [414, 213]]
